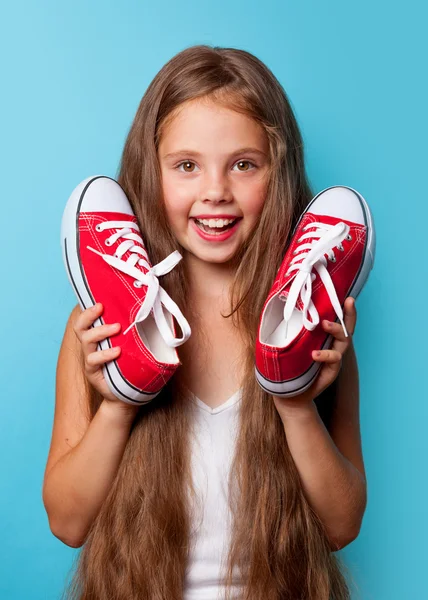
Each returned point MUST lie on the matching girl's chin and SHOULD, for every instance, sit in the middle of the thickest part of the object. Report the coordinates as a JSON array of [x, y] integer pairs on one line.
[[207, 256]]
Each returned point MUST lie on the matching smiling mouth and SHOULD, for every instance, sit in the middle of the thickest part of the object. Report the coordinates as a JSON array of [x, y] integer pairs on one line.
[[215, 230]]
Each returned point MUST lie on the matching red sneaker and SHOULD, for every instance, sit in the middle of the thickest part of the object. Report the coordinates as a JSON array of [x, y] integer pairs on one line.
[[337, 224], [106, 262]]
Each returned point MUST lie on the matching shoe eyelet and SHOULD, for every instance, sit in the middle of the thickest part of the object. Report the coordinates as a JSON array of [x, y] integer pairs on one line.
[[137, 284], [107, 242], [341, 248], [294, 252], [349, 237], [332, 259], [98, 227]]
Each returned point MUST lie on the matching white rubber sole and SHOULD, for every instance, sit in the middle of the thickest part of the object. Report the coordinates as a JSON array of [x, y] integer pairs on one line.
[[117, 384], [294, 387]]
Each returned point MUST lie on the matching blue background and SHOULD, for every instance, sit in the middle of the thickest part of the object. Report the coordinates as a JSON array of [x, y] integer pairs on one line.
[[72, 77]]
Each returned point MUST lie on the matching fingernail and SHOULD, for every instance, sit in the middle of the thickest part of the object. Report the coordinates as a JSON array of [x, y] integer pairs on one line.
[[317, 353]]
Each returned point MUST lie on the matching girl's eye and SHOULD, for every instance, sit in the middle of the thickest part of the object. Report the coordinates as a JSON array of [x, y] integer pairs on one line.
[[245, 162], [188, 163]]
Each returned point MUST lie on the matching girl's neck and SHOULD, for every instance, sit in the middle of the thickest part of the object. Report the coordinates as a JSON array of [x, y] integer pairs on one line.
[[208, 282]]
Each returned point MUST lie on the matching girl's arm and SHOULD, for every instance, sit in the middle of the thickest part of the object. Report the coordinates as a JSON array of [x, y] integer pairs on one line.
[[77, 484], [330, 461], [84, 455]]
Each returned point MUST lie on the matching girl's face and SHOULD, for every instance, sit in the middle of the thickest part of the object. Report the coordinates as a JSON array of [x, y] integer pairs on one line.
[[214, 164]]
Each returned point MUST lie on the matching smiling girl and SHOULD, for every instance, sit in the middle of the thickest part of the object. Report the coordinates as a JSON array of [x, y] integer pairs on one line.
[[215, 487]]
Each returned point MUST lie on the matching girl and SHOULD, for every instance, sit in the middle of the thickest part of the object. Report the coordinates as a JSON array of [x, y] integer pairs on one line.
[[214, 469]]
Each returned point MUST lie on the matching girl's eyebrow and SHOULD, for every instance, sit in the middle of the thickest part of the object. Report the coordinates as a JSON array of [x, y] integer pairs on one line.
[[188, 152]]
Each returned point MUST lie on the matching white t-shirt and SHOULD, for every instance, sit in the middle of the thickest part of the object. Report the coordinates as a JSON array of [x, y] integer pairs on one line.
[[212, 451]]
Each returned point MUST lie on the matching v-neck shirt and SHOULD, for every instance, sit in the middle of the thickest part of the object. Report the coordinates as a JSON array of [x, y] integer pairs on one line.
[[213, 445], [214, 411]]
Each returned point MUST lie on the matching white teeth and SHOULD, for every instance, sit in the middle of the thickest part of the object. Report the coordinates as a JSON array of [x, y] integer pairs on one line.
[[215, 222]]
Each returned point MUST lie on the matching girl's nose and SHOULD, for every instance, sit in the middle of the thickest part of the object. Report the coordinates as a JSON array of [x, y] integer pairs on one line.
[[215, 188]]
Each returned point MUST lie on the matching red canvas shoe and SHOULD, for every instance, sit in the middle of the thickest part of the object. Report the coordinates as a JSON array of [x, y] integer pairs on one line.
[[106, 262], [329, 258]]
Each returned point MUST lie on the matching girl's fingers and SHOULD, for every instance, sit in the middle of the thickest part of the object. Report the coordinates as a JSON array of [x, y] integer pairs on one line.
[[95, 359], [89, 336], [341, 342], [96, 334], [328, 356], [99, 333], [350, 315], [336, 330], [86, 319]]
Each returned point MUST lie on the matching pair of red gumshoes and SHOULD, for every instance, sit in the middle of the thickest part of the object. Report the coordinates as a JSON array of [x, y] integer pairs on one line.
[[107, 262], [329, 258]]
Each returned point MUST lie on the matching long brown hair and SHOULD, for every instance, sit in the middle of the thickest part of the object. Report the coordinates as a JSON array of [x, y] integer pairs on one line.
[[138, 546]]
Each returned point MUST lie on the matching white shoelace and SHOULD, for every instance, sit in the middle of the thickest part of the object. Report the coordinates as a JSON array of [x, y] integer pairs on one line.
[[329, 236], [156, 295]]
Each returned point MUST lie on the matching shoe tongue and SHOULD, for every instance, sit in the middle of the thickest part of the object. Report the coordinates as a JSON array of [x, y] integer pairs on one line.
[[118, 216], [306, 220]]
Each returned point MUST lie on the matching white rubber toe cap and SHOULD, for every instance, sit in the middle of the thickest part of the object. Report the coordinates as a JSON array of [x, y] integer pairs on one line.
[[341, 202], [102, 194]]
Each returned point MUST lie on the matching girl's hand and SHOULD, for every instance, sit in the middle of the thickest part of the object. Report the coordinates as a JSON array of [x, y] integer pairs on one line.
[[332, 360], [94, 359]]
